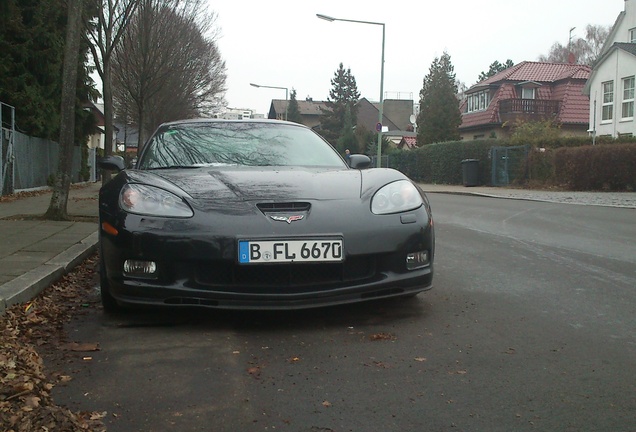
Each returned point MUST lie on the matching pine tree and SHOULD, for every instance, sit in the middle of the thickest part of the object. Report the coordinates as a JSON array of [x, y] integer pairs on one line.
[[293, 112], [494, 68], [439, 117], [31, 44], [347, 139], [32, 34], [343, 94]]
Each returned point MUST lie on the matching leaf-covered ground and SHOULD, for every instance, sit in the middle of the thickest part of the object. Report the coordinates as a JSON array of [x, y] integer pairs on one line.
[[25, 382]]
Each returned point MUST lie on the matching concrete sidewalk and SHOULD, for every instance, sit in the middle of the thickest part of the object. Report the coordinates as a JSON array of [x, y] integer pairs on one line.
[[34, 253]]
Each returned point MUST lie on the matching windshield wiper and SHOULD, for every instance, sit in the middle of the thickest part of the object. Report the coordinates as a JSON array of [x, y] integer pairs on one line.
[[176, 167]]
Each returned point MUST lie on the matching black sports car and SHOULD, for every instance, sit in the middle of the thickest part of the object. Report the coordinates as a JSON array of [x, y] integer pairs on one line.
[[258, 214]]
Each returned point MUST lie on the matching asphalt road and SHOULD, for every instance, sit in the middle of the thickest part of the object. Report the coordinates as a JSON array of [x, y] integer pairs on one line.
[[530, 326]]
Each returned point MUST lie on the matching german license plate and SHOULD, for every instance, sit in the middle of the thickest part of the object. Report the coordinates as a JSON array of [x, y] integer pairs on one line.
[[279, 251]]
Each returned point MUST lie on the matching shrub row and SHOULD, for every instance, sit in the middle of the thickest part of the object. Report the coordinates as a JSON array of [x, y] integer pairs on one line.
[[441, 163], [570, 163], [602, 167]]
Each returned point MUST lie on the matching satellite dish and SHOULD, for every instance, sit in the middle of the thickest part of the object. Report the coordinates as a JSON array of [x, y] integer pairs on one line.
[[413, 118]]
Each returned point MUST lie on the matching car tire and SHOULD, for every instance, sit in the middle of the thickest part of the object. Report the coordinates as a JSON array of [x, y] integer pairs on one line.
[[109, 303]]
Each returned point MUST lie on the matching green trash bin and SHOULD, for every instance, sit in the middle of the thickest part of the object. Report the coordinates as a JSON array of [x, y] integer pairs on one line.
[[470, 172]]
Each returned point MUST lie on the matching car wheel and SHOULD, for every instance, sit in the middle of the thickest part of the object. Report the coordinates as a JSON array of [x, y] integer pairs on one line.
[[108, 301]]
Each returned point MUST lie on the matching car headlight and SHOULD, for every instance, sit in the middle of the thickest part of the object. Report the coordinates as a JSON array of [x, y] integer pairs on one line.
[[152, 201], [396, 197]]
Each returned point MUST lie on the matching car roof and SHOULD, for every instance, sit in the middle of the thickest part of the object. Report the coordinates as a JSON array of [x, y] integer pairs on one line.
[[216, 120]]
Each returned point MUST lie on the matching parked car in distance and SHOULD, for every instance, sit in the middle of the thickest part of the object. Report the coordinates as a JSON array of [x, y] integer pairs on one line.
[[258, 214]]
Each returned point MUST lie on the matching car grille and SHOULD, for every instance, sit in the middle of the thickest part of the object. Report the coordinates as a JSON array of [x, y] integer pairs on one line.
[[225, 275], [283, 207]]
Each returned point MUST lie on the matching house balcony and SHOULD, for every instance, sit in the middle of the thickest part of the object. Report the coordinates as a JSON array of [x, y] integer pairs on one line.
[[511, 110]]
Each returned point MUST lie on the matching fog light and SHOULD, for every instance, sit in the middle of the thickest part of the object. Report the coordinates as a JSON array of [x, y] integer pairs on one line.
[[136, 268], [417, 260]]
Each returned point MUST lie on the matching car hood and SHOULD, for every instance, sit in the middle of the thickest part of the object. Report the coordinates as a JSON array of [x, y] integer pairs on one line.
[[264, 184]]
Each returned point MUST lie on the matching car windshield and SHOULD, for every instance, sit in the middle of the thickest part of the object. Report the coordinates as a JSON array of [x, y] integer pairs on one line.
[[237, 143]]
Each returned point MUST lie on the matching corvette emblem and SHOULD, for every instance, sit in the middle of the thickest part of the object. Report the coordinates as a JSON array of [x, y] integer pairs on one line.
[[288, 219]]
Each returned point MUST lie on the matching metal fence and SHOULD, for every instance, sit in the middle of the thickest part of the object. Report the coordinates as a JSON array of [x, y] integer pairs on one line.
[[509, 165], [31, 162], [384, 161]]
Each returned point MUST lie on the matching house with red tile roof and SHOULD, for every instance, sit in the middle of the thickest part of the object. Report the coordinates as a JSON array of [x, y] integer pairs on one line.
[[528, 91], [408, 143], [611, 86]]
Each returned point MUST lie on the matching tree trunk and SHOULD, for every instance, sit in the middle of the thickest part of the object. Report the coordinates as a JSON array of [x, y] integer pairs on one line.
[[58, 206], [141, 138], [108, 114]]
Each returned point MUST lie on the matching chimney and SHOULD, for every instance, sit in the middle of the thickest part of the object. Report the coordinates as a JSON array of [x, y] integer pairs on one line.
[[571, 58]]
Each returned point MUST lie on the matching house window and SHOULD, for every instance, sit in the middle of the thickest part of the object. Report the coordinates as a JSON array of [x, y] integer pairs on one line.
[[478, 101], [628, 98], [527, 92], [632, 35], [608, 101]]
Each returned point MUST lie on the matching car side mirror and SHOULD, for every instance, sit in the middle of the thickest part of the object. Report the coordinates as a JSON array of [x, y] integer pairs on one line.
[[112, 163], [359, 161]]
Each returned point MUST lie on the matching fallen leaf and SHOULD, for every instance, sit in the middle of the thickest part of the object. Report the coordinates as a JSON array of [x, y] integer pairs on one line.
[[32, 401], [420, 359], [98, 415], [64, 378], [326, 404]]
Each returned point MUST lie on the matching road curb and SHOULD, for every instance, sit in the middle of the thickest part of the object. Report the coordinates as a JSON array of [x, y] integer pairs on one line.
[[29, 285], [627, 205]]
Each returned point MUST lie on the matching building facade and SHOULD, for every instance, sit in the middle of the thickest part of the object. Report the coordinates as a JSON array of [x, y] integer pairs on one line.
[[525, 92], [612, 82]]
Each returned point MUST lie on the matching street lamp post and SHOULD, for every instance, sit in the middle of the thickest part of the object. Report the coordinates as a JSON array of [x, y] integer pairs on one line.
[[279, 88], [381, 108]]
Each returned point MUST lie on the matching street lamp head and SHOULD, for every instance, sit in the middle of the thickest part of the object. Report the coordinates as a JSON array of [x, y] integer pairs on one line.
[[254, 85], [325, 17]]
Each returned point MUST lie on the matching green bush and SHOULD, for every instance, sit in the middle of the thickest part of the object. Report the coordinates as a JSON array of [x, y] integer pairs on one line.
[[441, 163], [599, 167], [564, 162], [540, 167]]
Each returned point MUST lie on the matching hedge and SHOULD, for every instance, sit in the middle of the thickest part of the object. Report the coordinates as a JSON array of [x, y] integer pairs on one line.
[[568, 163]]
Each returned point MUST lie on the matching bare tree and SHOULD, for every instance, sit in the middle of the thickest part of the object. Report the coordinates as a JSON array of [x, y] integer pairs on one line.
[[104, 36], [595, 37], [58, 206], [168, 65], [583, 51]]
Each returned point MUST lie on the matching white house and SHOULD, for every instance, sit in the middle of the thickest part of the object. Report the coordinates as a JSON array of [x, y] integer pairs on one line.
[[611, 84]]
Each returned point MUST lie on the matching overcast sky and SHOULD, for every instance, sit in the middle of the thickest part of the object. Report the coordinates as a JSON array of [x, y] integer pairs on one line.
[[284, 44]]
